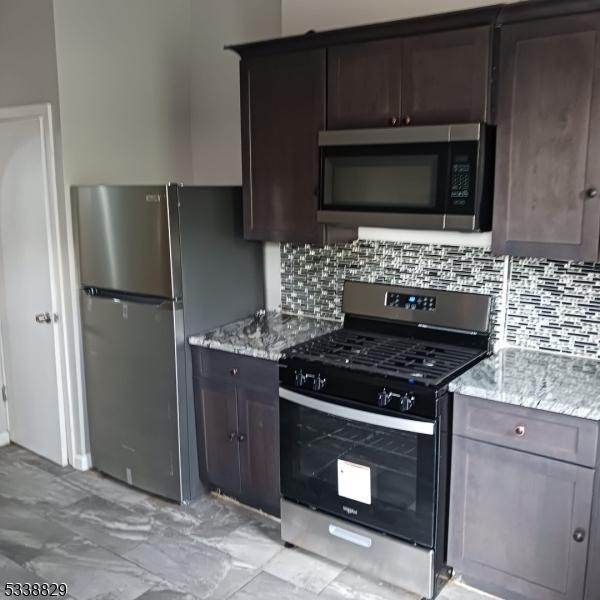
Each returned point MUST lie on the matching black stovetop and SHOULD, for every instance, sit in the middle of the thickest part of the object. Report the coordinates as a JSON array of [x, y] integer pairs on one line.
[[426, 362]]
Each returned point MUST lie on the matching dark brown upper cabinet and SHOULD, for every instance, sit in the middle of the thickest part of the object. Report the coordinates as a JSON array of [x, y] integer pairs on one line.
[[546, 201], [446, 77], [283, 109], [418, 80], [364, 84]]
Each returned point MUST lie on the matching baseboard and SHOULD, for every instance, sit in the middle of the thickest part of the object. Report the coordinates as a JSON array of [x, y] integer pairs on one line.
[[82, 462], [4, 438]]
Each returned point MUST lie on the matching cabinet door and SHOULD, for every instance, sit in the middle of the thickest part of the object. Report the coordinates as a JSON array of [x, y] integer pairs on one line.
[[216, 422], [258, 423], [283, 109], [546, 202], [514, 518], [363, 84], [445, 77]]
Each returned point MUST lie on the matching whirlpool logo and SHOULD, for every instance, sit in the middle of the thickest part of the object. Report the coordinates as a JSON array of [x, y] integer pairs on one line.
[[349, 511]]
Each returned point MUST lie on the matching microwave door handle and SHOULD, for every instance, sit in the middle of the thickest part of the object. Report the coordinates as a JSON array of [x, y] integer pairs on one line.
[[362, 416]]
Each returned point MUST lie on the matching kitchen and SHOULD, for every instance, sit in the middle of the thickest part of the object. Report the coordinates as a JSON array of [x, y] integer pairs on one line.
[[376, 360]]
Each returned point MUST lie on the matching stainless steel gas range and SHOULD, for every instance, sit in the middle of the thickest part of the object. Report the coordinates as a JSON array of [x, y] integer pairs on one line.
[[365, 430]]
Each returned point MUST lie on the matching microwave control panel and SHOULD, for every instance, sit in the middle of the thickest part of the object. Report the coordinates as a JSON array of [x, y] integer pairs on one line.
[[410, 301], [460, 185]]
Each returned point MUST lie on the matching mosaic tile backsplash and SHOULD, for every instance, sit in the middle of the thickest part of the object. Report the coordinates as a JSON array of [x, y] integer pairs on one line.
[[554, 305], [551, 305]]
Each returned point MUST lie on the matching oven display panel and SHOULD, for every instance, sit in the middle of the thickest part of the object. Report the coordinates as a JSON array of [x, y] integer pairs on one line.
[[410, 301]]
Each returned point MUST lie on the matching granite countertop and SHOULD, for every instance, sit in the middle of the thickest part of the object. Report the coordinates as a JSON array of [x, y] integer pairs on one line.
[[556, 383], [264, 335]]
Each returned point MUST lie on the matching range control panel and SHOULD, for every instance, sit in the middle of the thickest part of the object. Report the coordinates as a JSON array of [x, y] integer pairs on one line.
[[410, 301]]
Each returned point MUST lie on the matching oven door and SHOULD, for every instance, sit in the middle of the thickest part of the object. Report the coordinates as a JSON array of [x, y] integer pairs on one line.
[[374, 469]]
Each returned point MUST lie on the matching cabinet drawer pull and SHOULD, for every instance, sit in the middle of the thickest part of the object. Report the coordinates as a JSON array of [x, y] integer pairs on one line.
[[394, 121], [241, 437], [232, 436], [520, 430], [407, 120], [233, 372], [592, 193], [579, 535]]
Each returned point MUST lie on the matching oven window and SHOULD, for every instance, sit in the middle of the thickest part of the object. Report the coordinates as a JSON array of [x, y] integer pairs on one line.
[[393, 181], [375, 476]]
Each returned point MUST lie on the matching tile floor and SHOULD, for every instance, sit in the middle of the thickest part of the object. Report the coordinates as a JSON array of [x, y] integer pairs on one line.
[[109, 542]]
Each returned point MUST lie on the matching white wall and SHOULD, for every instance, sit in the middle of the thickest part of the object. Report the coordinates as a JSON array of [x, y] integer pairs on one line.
[[4, 439], [123, 78], [215, 86], [148, 95], [215, 97], [298, 16], [123, 74]]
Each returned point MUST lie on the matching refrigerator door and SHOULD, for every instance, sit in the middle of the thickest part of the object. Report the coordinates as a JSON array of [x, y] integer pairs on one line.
[[132, 377], [128, 239]]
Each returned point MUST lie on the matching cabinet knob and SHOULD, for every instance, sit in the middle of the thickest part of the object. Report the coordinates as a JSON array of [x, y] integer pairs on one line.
[[232, 435], [407, 120], [520, 430], [579, 535], [592, 193], [241, 437], [233, 372], [394, 121]]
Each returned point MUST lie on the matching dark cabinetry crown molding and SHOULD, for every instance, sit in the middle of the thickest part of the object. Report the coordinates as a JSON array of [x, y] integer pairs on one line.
[[495, 15], [365, 33]]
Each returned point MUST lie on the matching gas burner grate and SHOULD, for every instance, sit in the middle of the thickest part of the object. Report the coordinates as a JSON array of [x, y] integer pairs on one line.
[[407, 358]]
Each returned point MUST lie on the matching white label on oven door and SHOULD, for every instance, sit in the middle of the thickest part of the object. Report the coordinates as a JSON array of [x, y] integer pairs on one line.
[[354, 481]]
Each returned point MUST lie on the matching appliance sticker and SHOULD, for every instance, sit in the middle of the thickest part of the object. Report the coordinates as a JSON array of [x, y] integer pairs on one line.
[[354, 481]]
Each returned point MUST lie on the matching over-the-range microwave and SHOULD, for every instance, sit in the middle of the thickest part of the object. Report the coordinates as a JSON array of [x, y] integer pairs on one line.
[[426, 177]]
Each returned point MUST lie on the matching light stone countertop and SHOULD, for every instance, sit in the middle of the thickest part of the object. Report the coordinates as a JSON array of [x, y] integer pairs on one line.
[[557, 383], [264, 335]]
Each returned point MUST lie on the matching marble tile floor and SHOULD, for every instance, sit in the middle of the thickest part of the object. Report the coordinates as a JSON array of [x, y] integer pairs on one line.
[[107, 541]]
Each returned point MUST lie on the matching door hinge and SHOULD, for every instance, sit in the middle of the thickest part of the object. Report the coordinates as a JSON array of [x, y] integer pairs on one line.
[[4, 397]]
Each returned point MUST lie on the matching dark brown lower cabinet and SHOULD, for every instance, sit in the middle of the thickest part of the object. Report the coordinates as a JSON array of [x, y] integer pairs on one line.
[[237, 422], [519, 521], [258, 414], [216, 411]]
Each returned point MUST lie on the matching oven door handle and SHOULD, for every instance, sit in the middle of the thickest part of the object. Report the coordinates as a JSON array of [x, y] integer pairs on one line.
[[362, 416]]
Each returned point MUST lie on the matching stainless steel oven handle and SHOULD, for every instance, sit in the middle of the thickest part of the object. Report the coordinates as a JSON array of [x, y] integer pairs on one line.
[[362, 416], [350, 536]]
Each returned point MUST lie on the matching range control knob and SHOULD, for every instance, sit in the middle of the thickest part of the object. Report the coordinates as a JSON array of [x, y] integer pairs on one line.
[[299, 378], [384, 397], [319, 383], [407, 401]]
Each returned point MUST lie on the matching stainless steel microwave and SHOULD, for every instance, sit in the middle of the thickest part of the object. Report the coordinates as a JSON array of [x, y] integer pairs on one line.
[[429, 177]]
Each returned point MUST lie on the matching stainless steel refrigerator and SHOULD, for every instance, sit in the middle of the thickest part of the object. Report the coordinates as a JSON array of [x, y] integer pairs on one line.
[[157, 264]]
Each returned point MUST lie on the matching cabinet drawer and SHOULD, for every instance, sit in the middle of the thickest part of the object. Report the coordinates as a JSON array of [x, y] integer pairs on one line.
[[239, 369], [531, 430]]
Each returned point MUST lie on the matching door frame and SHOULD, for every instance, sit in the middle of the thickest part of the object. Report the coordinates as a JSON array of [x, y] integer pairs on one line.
[[42, 113]]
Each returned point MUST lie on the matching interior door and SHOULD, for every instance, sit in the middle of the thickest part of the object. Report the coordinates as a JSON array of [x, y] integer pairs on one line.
[[29, 327]]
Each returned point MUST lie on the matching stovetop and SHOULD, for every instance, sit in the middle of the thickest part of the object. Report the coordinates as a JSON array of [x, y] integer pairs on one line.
[[426, 362], [396, 353]]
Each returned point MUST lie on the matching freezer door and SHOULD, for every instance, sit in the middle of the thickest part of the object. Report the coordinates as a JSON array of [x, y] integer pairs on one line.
[[132, 398], [128, 238]]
